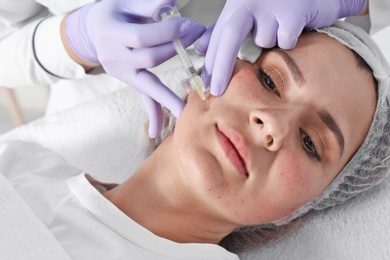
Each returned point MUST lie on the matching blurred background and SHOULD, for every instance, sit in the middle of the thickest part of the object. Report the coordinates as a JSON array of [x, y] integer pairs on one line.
[[21, 106]]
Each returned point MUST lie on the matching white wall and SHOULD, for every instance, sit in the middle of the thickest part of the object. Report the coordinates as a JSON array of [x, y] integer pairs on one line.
[[32, 102]]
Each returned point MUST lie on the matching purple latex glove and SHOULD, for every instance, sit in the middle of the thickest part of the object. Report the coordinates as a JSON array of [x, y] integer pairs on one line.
[[122, 37], [273, 22]]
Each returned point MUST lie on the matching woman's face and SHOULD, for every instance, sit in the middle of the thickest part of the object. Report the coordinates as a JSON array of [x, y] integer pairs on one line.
[[283, 130]]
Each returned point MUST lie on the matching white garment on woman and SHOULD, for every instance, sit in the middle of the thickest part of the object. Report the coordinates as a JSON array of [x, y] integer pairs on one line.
[[83, 221]]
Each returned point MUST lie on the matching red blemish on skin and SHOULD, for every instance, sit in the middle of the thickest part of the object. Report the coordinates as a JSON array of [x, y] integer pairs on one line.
[[218, 197], [292, 210], [245, 79], [225, 184], [210, 189], [242, 201]]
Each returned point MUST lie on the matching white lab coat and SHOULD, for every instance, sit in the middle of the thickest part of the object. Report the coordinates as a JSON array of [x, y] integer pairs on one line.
[[69, 83]]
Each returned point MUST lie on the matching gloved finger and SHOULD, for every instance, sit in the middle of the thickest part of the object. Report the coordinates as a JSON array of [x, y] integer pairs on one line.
[[289, 31], [154, 56], [155, 114], [231, 38], [151, 85], [147, 83], [143, 8], [265, 32], [212, 48], [150, 34], [112, 52], [203, 43]]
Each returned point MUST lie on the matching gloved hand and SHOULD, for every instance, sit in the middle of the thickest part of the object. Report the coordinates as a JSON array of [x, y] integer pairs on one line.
[[274, 22], [120, 35]]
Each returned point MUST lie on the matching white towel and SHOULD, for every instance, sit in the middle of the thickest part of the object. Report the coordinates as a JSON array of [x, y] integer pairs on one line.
[[105, 136]]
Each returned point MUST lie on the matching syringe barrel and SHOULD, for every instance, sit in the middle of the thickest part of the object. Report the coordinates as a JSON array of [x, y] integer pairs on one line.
[[194, 79], [177, 44], [182, 53]]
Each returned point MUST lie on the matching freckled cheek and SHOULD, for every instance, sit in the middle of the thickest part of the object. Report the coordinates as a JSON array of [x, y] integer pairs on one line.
[[242, 84], [293, 180], [222, 190], [244, 208], [289, 187], [228, 198]]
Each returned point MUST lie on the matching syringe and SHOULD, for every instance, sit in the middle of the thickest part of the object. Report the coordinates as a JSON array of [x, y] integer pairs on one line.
[[169, 12]]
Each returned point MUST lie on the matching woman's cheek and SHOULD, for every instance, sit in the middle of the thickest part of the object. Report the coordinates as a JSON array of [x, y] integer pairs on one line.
[[244, 86], [293, 178]]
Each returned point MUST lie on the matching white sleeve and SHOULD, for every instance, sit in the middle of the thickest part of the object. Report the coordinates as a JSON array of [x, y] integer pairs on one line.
[[16, 13], [50, 52], [31, 48], [379, 15], [62, 7], [34, 54]]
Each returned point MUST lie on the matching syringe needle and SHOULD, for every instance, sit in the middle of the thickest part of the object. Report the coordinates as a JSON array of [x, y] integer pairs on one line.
[[194, 79]]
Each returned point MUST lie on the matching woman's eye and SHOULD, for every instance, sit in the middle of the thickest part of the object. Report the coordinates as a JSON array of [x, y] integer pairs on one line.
[[267, 81], [309, 146]]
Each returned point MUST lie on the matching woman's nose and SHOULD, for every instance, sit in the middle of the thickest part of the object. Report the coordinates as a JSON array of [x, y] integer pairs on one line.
[[269, 129]]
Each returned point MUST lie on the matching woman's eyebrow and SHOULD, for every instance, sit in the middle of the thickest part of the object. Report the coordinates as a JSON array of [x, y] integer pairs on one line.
[[329, 121], [291, 65], [325, 116]]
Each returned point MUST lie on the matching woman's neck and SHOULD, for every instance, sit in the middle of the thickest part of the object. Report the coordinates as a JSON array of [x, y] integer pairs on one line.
[[157, 198]]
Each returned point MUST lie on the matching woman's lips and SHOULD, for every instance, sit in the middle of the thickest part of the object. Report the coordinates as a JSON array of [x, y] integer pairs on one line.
[[234, 148]]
